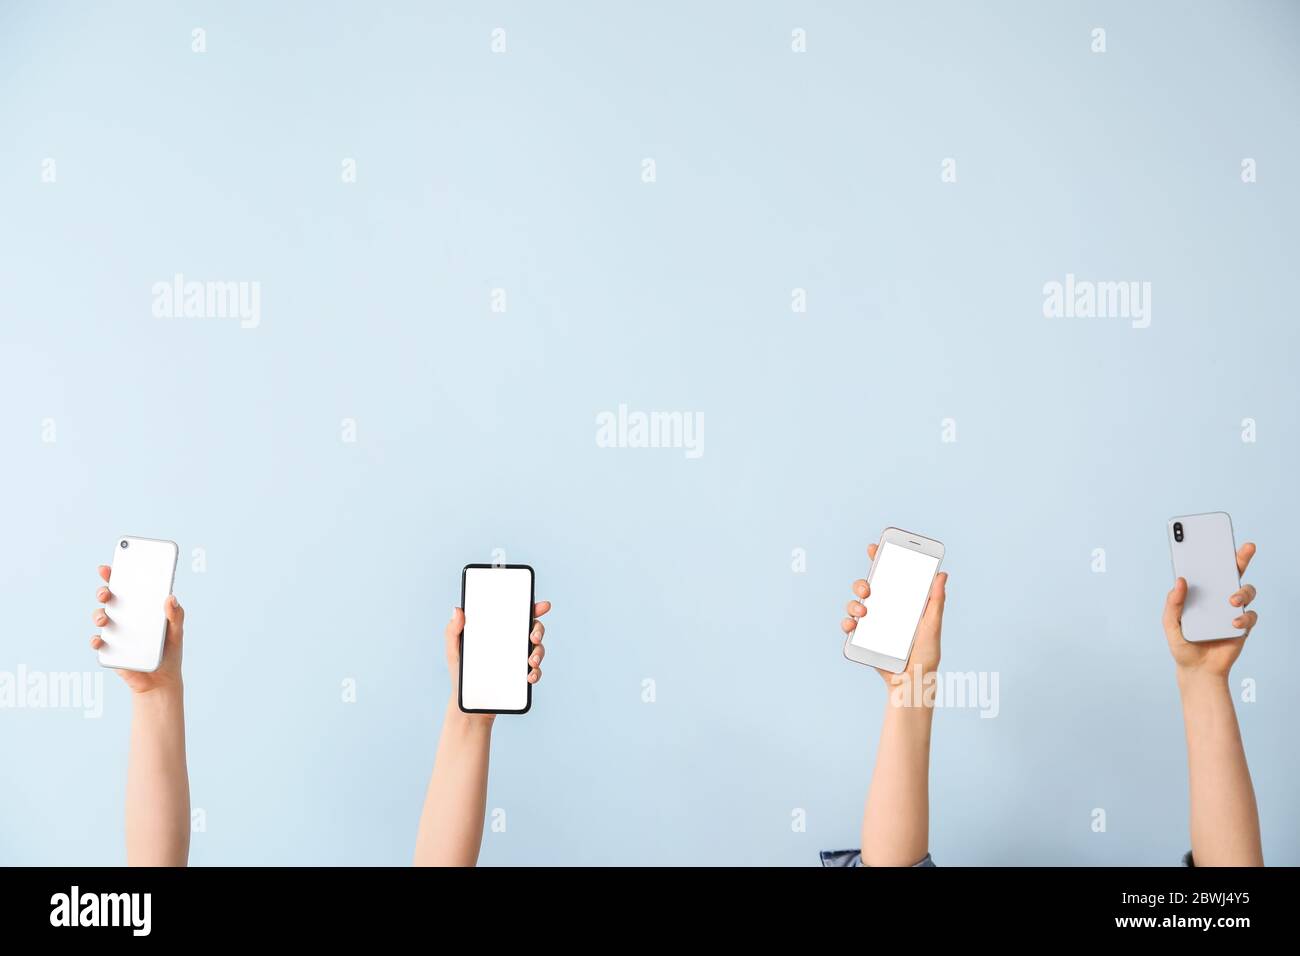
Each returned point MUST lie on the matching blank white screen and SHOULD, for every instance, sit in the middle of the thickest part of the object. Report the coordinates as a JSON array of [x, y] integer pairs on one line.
[[494, 655], [899, 586]]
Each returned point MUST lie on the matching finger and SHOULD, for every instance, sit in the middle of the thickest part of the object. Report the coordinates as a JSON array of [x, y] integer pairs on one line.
[[100, 618], [534, 675], [539, 630], [856, 610], [938, 597], [175, 617], [105, 571], [1174, 604], [540, 608], [1244, 554], [103, 595], [1243, 597], [97, 642], [536, 657], [849, 625], [871, 552], [862, 589], [1246, 621]]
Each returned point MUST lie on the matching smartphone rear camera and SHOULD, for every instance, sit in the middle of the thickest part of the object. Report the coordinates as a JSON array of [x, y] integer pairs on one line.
[[125, 543], [1178, 532]]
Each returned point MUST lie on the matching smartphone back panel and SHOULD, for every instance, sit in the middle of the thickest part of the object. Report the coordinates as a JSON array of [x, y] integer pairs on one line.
[[144, 570], [1207, 558], [498, 605]]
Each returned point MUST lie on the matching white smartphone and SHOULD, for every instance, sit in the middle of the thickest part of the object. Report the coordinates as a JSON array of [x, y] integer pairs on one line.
[[900, 580], [494, 647], [1204, 552], [143, 572]]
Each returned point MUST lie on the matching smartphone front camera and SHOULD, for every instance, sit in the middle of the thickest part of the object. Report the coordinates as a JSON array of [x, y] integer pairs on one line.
[[1178, 532], [124, 543]]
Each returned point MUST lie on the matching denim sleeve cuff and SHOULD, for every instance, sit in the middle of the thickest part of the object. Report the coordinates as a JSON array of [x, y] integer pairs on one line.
[[1187, 859], [854, 858]]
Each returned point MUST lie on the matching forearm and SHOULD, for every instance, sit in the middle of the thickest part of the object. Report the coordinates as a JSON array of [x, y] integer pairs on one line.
[[1224, 818], [451, 825], [157, 781], [896, 823]]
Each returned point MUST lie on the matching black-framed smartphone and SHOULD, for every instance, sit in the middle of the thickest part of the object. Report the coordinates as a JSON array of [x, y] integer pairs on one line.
[[498, 603]]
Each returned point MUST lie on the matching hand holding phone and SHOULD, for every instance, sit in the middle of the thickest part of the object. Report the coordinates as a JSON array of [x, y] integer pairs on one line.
[[906, 593], [494, 641], [1206, 619], [142, 624]]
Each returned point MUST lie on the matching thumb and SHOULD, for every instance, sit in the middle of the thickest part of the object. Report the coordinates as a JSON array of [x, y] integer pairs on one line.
[[1174, 607], [938, 597], [175, 617], [454, 628]]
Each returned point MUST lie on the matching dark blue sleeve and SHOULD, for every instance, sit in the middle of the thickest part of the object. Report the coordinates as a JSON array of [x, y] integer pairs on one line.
[[854, 858]]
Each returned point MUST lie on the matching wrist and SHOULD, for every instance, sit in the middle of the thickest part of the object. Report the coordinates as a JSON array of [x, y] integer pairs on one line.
[[1192, 680], [165, 703], [912, 690], [457, 721], [162, 697]]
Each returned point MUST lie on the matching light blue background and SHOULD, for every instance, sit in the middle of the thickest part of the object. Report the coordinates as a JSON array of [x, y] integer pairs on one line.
[[329, 560]]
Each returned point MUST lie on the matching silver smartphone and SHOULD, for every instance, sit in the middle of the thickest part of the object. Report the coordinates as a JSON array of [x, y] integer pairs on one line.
[[1204, 553], [900, 579], [142, 575]]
